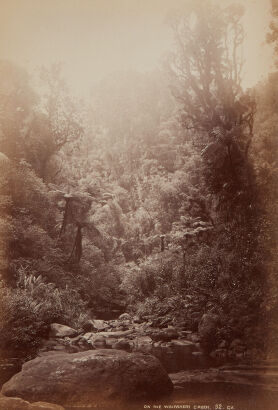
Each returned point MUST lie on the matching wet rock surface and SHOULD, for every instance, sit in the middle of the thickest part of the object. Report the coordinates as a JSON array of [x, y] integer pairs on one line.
[[174, 348], [90, 377], [58, 330]]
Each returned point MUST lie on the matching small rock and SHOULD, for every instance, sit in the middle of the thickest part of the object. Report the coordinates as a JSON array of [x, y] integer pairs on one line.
[[235, 342], [110, 342], [184, 346], [122, 344], [164, 335], [194, 337], [76, 339], [88, 326], [99, 343], [161, 322], [89, 336], [60, 348], [95, 325], [116, 334], [142, 344], [186, 333], [142, 340], [147, 324], [100, 324], [57, 330], [222, 344], [125, 316], [197, 354], [219, 354]]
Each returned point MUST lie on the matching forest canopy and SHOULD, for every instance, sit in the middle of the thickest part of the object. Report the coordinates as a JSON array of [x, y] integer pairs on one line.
[[157, 196]]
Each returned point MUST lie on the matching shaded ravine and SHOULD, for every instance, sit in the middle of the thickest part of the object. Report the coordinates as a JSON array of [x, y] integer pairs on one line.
[[198, 380]]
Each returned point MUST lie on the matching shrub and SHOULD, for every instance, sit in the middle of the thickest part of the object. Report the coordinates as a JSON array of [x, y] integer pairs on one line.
[[28, 310]]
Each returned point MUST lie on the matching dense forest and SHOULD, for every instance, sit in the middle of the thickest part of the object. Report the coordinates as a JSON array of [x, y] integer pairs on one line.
[[157, 197]]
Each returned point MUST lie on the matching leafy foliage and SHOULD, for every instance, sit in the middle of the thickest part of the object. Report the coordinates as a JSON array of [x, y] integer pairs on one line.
[[27, 312], [157, 202]]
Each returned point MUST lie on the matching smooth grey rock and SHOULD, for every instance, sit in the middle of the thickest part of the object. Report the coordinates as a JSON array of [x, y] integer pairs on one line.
[[57, 330], [90, 377], [125, 316]]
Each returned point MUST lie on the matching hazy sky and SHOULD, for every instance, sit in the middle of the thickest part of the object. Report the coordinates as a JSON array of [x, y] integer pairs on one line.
[[95, 37]]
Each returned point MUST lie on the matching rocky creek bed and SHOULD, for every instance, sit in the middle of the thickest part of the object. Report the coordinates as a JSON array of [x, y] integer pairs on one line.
[[111, 363]]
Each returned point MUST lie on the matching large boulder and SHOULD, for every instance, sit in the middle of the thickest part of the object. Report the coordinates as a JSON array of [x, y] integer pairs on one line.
[[94, 376]]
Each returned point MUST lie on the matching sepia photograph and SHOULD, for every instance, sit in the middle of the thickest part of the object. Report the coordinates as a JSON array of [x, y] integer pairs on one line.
[[138, 204]]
